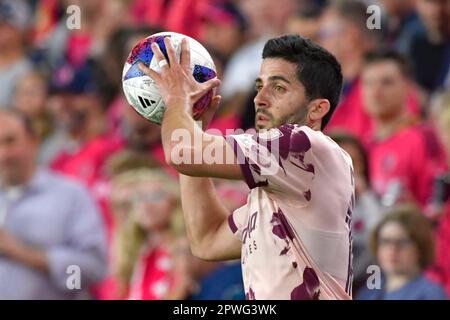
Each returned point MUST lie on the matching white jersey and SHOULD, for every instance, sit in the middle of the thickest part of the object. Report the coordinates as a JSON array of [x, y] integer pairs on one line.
[[295, 228]]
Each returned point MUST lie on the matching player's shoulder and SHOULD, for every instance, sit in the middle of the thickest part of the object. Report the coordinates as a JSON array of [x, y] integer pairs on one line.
[[295, 137]]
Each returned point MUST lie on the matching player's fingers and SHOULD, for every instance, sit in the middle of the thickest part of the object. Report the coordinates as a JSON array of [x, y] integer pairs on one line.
[[185, 55], [215, 101], [170, 51], [151, 73], [210, 84], [208, 115], [159, 56]]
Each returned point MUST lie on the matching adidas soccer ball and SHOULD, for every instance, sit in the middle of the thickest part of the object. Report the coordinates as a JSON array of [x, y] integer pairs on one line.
[[141, 90]]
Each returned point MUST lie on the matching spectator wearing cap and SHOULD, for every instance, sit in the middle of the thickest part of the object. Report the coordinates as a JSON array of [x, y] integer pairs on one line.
[[50, 227], [14, 20], [403, 246], [223, 29], [81, 144]]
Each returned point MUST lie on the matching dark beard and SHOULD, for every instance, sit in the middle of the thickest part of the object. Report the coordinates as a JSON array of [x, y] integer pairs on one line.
[[300, 117]]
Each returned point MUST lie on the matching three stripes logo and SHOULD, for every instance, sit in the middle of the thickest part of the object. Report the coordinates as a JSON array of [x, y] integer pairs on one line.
[[145, 103]]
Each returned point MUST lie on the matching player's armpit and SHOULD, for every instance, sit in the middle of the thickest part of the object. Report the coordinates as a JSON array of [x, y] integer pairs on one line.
[[221, 244], [205, 155]]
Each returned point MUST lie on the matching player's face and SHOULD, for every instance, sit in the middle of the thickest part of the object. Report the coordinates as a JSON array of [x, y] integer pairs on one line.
[[397, 254], [280, 95], [384, 89]]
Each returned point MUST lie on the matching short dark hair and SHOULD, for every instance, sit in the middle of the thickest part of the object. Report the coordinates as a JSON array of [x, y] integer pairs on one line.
[[317, 69], [381, 55]]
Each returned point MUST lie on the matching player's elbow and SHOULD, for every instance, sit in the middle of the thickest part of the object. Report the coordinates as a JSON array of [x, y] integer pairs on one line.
[[203, 253], [180, 157]]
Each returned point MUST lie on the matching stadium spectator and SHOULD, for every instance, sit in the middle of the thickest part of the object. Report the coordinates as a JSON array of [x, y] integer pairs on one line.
[[404, 157], [305, 23], [30, 97], [429, 41], [368, 211], [145, 204], [397, 16], [345, 34], [224, 29], [14, 23], [85, 145], [403, 246], [49, 226]]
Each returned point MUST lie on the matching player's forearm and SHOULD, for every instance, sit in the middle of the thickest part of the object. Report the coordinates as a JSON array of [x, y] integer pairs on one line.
[[203, 211], [177, 127]]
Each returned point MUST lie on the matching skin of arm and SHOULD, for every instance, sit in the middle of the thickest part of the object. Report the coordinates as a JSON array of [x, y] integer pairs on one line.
[[19, 251], [205, 216]]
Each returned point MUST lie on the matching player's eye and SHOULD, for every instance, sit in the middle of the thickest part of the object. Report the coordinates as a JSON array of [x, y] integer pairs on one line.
[[279, 89], [258, 87]]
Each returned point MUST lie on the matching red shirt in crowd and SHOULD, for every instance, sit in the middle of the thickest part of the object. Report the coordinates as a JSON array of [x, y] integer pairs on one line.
[[406, 163], [153, 276], [351, 116]]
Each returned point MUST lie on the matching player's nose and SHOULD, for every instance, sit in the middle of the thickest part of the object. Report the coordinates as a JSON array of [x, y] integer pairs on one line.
[[261, 100]]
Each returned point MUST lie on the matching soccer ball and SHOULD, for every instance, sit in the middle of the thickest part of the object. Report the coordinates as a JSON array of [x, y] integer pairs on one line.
[[141, 90]]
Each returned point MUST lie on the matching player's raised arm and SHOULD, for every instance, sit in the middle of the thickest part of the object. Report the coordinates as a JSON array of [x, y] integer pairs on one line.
[[206, 220], [205, 216], [186, 146]]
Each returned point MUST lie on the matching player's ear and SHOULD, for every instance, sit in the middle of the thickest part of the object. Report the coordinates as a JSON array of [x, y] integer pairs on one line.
[[318, 109]]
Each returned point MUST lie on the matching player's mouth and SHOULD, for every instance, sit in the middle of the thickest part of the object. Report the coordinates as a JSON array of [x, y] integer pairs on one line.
[[262, 118]]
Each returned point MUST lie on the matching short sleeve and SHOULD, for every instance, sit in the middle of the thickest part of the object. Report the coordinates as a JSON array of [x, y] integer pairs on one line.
[[238, 220], [280, 160]]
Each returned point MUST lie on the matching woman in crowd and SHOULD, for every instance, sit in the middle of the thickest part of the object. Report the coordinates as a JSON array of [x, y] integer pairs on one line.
[[403, 246], [148, 263]]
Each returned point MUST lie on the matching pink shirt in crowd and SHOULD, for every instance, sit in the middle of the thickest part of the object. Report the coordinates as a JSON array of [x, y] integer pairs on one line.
[[295, 227], [405, 164]]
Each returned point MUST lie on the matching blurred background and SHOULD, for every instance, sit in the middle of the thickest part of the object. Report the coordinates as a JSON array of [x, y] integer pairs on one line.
[[88, 207]]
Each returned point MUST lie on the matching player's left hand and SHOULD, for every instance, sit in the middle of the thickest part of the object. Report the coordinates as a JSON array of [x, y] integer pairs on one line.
[[175, 82]]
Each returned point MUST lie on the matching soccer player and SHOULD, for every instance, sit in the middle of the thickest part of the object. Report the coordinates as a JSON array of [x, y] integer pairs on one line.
[[293, 235]]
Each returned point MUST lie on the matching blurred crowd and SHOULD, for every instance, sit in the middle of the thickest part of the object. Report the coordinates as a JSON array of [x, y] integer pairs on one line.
[[90, 210]]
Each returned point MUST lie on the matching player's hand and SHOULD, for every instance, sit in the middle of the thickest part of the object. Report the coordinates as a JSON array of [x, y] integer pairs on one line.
[[176, 84], [208, 115]]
